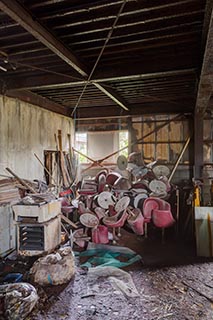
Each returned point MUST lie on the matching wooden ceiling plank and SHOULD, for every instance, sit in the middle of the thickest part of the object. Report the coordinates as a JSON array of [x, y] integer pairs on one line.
[[20, 15]]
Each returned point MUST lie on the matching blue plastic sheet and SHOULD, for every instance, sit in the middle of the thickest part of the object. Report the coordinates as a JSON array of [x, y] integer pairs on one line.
[[109, 256]]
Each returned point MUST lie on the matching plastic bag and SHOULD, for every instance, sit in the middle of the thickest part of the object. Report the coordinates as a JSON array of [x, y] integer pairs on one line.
[[106, 255], [54, 269], [19, 300], [119, 279]]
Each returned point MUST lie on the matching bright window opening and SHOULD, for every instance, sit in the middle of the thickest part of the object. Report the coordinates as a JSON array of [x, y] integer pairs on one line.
[[81, 145], [123, 142]]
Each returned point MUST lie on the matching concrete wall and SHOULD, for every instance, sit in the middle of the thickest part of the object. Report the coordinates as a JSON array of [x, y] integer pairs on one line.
[[26, 129]]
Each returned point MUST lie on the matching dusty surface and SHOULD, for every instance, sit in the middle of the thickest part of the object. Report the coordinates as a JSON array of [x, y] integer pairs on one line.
[[172, 283]]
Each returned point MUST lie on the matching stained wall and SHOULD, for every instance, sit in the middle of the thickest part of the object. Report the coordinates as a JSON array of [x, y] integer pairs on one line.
[[26, 129]]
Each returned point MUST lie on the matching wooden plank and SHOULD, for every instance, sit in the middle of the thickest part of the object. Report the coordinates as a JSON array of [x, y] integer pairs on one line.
[[21, 181], [112, 94], [72, 224], [62, 161]]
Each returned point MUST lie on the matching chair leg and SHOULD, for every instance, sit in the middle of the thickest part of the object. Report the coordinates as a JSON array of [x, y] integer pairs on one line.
[[119, 231], [145, 230], [163, 235], [114, 236]]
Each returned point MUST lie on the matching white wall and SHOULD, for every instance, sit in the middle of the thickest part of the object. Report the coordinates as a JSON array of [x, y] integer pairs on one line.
[[101, 144], [26, 129]]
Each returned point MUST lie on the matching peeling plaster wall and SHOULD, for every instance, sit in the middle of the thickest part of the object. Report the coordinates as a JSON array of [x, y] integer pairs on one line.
[[26, 129]]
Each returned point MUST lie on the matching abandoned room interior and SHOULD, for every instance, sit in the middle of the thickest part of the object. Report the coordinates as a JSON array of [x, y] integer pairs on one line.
[[106, 159]]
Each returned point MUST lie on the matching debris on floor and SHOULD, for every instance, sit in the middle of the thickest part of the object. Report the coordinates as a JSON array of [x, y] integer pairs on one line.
[[119, 279], [54, 269], [162, 295], [105, 255], [99, 219], [19, 300]]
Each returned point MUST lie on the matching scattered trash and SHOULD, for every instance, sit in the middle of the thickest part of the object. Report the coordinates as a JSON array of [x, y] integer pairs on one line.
[[19, 300], [119, 279], [105, 255], [54, 269], [13, 278]]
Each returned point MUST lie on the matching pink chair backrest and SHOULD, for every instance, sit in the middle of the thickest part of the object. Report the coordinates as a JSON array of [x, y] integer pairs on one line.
[[162, 218], [148, 206]]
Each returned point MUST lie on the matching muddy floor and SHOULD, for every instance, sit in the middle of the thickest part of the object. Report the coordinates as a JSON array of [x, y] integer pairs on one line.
[[171, 281]]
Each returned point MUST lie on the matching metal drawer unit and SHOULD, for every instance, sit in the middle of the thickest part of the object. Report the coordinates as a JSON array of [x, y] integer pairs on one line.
[[31, 237], [36, 238]]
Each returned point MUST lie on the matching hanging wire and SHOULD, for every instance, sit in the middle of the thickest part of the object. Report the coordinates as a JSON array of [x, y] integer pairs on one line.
[[99, 56]]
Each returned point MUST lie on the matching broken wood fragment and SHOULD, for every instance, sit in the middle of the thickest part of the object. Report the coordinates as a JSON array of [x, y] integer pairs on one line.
[[68, 221], [21, 181]]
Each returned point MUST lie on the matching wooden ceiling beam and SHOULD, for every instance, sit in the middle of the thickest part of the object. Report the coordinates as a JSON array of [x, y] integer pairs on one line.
[[53, 81], [205, 88], [136, 110], [37, 100], [13, 9], [112, 94], [20, 15]]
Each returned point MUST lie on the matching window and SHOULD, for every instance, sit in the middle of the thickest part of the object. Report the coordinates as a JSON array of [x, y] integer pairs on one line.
[[123, 142], [81, 145]]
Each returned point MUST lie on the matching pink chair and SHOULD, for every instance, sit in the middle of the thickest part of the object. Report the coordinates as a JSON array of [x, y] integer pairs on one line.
[[149, 205], [100, 234], [159, 211], [136, 221], [116, 221], [162, 218]]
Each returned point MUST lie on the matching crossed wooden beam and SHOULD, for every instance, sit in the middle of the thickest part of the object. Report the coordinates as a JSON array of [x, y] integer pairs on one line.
[[100, 161]]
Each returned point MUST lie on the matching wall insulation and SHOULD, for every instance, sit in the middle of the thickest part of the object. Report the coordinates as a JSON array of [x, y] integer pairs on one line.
[[26, 129]]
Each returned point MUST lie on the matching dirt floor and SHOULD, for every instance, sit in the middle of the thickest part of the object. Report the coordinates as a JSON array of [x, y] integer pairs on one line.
[[171, 281]]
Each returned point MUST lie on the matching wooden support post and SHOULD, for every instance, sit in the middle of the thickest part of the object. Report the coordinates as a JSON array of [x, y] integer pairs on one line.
[[129, 135], [62, 161], [198, 145]]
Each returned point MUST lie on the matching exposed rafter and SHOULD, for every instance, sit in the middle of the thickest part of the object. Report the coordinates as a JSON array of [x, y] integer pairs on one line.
[[151, 63], [205, 88], [110, 92], [138, 109], [51, 81], [37, 100], [20, 15]]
